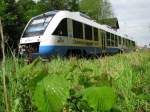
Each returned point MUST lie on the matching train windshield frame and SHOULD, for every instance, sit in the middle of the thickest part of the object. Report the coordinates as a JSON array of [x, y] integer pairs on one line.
[[37, 26]]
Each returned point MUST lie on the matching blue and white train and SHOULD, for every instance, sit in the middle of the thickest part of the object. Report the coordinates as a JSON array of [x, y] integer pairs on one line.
[[63, 33]]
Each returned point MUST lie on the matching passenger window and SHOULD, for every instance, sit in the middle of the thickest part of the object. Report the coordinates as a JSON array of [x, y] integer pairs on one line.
[[124, 42], [77, 30], [119, 40], [116, 40], [88, 32], [133, 43], [128, 43], [61, 29], [95, 34], [108, 39], [103, 39], [112, 40]]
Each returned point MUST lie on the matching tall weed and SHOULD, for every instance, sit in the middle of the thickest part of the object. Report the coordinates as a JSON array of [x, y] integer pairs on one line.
[[57, 85]]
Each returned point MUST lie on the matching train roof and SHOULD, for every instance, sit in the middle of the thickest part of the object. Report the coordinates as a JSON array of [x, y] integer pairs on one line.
[[78, 16]]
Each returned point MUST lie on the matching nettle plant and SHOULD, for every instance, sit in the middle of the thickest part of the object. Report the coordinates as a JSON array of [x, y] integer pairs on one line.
[[39, 90]]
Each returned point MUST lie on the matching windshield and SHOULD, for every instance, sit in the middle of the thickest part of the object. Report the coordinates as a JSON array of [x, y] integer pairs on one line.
[[37, 26]]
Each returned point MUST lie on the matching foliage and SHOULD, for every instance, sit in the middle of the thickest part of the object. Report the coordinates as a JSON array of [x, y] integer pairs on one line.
[[26, 10], [70, 85], [2, 106], [76, 103], [100, 98], [97, 9], [73, 5], [51, 94], [3, 6], [9, 18], [91, 7], [92, 99]]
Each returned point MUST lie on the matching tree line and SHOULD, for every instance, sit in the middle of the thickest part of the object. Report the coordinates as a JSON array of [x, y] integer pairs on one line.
[[16, 13]]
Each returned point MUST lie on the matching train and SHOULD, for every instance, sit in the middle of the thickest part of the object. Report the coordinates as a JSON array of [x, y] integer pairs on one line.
[[63, 33]]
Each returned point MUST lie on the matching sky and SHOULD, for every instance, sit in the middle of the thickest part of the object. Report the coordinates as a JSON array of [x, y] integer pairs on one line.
[[134, 19]]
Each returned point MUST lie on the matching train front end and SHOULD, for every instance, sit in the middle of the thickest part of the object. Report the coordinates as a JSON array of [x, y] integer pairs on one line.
[[33, 36]]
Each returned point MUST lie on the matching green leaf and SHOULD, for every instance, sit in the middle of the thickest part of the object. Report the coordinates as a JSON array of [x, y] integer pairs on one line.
[[144, 96], [37, 75], [28, 69], [100, 98], [51, 94]]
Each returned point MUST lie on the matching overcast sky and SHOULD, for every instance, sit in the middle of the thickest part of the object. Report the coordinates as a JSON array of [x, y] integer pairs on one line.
[[134, 18]]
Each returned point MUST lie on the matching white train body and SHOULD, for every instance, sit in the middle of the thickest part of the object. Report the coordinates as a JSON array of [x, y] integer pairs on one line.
[[65, 32]]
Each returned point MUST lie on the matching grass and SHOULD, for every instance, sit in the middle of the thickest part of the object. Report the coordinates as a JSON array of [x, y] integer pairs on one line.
[[127, 74]]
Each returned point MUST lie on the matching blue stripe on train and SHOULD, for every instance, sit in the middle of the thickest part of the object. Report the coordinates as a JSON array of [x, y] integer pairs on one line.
[[46, 51]]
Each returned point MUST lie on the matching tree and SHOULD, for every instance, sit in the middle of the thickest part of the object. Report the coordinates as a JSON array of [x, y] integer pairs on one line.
[[3, 6], [52, 4], [97, 9], [73, 5], [15, 16], [106, 9], [9, 19], [26, 9]]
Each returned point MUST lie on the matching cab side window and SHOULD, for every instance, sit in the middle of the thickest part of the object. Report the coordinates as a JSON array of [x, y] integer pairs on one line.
[[61, 29]]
